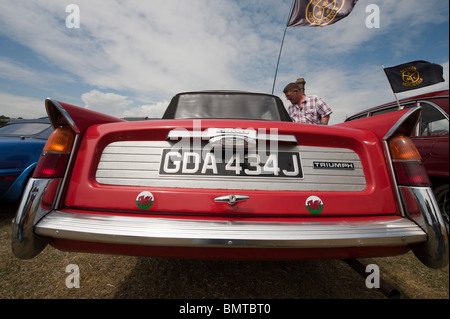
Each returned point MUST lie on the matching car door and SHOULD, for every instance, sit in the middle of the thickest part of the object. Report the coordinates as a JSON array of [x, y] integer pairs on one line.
[[432, 139]]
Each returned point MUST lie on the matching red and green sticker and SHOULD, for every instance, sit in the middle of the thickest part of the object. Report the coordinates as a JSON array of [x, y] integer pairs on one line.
[[145, 200], [314, 205]]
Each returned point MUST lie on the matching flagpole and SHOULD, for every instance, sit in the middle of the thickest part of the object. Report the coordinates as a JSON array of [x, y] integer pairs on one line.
[[281, 47], [396, 98]]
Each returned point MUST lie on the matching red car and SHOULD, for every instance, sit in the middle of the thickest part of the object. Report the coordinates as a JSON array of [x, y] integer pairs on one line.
[[228, 175], [430, 137]]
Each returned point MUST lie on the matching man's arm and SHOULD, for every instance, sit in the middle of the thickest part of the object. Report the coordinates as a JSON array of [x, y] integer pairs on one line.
[[323, 110], [325, 119]]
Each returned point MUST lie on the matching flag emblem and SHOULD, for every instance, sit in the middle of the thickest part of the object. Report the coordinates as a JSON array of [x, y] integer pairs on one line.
[[319, 13], [145, 200], [410, 76], [322, 12], [314, 205]]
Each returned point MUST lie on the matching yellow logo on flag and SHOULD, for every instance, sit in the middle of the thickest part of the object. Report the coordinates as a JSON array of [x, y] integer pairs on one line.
[[323, 12], [410, 76]]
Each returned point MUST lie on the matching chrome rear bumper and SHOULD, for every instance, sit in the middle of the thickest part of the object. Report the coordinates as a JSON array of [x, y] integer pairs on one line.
[[243, 234], [34, 222]]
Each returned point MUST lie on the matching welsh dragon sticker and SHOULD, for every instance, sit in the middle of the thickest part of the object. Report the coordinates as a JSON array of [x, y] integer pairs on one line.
[[145, 200], [314, 205]]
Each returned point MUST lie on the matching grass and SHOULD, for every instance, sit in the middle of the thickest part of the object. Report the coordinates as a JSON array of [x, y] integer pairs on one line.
[[108, 277]]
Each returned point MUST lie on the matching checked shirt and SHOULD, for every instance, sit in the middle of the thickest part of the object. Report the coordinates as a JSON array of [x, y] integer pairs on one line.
[[310, 111]]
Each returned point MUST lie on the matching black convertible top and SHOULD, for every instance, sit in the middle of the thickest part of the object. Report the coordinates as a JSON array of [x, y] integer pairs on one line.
[[226, 105]]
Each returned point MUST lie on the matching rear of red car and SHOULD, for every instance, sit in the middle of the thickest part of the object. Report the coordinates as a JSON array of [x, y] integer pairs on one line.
[[230, 188]]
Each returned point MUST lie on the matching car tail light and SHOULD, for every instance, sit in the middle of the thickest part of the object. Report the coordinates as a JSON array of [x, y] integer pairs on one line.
[[56, 153], [407, 162]]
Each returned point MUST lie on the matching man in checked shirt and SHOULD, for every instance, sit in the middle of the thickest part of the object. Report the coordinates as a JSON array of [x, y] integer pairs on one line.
[[306, 109]]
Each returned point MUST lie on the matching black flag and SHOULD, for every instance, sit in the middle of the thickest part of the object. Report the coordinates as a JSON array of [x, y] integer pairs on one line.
[[318, 13], [413, 75]]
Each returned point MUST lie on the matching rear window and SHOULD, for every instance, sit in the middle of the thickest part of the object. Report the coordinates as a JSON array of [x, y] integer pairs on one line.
[[37, 130], [227, 106]]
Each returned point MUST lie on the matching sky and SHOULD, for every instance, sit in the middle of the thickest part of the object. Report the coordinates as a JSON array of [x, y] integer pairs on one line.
[[128, 58]]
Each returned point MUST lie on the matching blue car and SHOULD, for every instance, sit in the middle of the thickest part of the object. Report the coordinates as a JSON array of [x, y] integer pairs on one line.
[[21, 144]]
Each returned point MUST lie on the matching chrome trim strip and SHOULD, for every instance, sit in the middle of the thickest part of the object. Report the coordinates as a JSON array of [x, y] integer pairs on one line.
[[63, 113], [404, 117], [24, 243], [436, 107], [395, 189], [65, 179], [278, 138], [149, 231], [210, 133]]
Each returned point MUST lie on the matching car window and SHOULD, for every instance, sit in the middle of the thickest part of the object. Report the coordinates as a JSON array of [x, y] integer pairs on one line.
[[362, 116], [383, 111], [227, 106], [45, 134], [23, 129], [433, 122]]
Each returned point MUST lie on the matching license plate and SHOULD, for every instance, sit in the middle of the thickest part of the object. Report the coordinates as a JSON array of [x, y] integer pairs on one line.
[[279, 164]]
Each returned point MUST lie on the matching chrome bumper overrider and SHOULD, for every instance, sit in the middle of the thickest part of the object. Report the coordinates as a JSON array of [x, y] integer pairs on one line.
[[425, 212], [32, 223], [25, 244]]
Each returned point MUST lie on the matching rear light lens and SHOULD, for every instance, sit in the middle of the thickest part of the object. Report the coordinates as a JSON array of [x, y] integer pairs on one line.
[[411, 174], [409, 169], [55, 155], [402, 148], [61, 141]]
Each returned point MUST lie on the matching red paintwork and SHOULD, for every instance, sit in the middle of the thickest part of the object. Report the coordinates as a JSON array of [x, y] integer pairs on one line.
[[85, 192], [379, 125], [82, 117], [435, 152]]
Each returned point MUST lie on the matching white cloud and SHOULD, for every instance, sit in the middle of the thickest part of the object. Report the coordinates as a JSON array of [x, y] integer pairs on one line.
[[20, 106], [20, 72], [153, 111], [120, 106], [108, 103], [162, 46]]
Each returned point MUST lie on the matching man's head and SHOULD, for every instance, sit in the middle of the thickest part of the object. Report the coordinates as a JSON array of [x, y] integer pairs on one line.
[[293, 93]]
